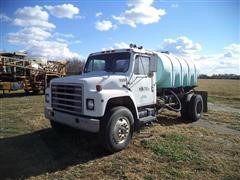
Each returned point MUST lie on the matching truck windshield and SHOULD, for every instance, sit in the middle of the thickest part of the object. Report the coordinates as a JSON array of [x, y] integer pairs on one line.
[[112, 62]]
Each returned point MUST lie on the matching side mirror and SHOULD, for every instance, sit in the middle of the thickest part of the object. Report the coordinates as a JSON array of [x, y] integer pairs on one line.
[[153, 64]]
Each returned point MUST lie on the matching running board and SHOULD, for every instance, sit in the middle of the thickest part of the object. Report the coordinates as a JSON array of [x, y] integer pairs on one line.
[[147, 119]]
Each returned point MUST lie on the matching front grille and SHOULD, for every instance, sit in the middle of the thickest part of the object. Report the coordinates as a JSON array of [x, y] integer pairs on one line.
[[67, 98]]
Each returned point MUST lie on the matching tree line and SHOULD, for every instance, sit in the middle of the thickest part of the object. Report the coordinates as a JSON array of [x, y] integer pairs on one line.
[[219, 76], [75, 66]]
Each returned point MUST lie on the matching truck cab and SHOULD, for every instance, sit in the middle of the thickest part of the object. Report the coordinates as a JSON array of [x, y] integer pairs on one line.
[[115, 94]]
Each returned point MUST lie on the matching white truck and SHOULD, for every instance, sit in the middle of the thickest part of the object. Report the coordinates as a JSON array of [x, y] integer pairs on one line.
[[121, 89]]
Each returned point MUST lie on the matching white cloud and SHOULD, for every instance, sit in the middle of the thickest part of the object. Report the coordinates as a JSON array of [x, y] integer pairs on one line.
[[233, 49], [79, 17], [141, 12], [4, 18], [62, 35], [140, 2], [32, 16], [26, 35], [63, 11], [37, 36], [218, 64], [76, 42], [51, 50], [120, 45], [36, 42], [99, 14], [104, 25], [181, 45], [68, 42], [226, 62], [61, 40]]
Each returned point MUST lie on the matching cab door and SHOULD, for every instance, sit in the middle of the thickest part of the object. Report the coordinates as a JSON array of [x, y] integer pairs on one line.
[[142, 82]]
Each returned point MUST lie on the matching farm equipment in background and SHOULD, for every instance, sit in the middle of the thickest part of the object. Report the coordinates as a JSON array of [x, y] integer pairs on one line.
[[16, 72]]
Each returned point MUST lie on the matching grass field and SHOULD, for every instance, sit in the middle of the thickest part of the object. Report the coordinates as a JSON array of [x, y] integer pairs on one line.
[[225, 92], [169, 149], [221, 88]]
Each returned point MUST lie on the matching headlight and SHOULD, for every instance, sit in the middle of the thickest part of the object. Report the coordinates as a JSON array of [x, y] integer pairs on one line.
[[90, 104], [47, 98]]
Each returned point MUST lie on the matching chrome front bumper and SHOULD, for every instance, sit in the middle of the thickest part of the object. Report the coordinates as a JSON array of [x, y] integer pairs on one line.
[[78, 122]]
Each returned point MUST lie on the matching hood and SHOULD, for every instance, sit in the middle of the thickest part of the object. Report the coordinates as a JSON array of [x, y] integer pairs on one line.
[[90, 80]]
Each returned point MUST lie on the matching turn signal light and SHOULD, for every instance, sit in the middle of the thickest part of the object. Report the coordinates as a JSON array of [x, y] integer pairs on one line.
[[98, 88]]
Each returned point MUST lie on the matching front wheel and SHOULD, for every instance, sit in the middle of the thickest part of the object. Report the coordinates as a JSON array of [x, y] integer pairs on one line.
[[117, 129]]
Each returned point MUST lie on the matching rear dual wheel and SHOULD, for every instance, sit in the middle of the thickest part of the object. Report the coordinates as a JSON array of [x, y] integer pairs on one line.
[[192, 109]]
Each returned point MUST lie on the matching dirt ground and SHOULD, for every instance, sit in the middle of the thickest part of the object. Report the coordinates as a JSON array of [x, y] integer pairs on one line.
[[167, 149]]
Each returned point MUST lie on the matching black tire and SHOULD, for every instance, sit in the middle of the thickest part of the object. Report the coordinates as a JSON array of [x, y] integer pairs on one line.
[[195, 110], [185, 106], [119, 119]]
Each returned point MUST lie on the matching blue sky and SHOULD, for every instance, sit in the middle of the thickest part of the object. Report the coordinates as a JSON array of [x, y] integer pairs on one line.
[[207, 31]]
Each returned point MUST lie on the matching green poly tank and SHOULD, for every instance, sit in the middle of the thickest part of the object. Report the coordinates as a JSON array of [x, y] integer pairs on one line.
[[175, 72]]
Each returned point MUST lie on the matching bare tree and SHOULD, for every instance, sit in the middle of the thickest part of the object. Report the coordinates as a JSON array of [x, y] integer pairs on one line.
[[75, 66], [219, 76]]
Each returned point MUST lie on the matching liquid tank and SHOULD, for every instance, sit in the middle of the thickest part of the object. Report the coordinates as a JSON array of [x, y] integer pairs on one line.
[[174, 72]]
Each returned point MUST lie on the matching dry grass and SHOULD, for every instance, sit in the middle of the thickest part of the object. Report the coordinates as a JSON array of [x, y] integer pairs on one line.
[[169, 149], [229, 118], [20, 115], [221, 92], [220, 87]]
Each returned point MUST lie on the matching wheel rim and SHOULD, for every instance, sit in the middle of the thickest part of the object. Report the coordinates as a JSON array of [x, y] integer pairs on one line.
[[121, 130]]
